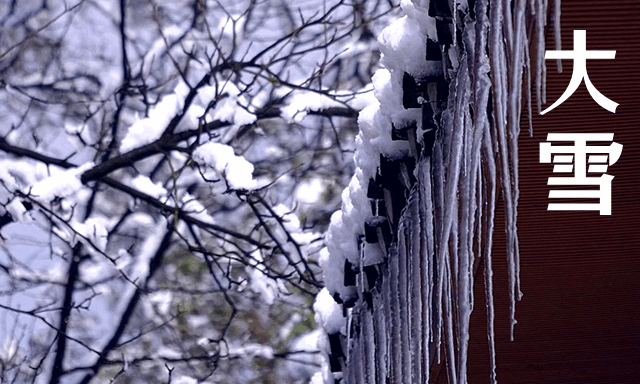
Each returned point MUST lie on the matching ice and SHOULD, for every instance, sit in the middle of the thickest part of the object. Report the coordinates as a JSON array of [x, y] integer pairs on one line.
[[556, 30], [372, 254]]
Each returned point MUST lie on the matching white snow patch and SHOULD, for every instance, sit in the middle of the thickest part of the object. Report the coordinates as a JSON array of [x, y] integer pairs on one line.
[[403, 46], [161, 300], [93, 229], [147, 251], [307, 342], [328, 312], [18, 211], [235, 169], [304, 102], [227, 107], [144, 184], [252, 350], [148, 130], [259, 282], [363, 98], [309, 191], [316, 378], [186, 380], [60, 184], [195, 209]]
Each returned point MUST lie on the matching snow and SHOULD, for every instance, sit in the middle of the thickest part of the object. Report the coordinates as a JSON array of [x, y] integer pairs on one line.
[[404, 35], [144, 184], [228, 107], [316, 378], [235, 169], [161, 301], [8, 348], [416, 11], [363, 98], [61, 183], [195, 209], [251, 350], [95, 230], [149, 129], [310, 191], [328, 313], [140, 266], [307, 342], [18, 211], [185, 380], [259, 282], [304, 102], [17, 174]]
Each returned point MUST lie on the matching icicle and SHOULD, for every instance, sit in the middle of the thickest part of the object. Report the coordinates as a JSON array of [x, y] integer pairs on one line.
[[528, 90], [556, 31], [388, 319], [439, 248], [461, 252], [540, 20], [368, 338], [450, 207], [388, 203], [515, 92], [449, 332], [453, 168], [425, 186], [517, 67], [498, 59], [488, 244], [396, 321], [482, 85], [507, 26], [414, 267], [403, 296], [380, 332]]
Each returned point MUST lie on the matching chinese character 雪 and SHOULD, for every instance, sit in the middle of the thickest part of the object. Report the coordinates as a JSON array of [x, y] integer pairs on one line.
[[572, 159]]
